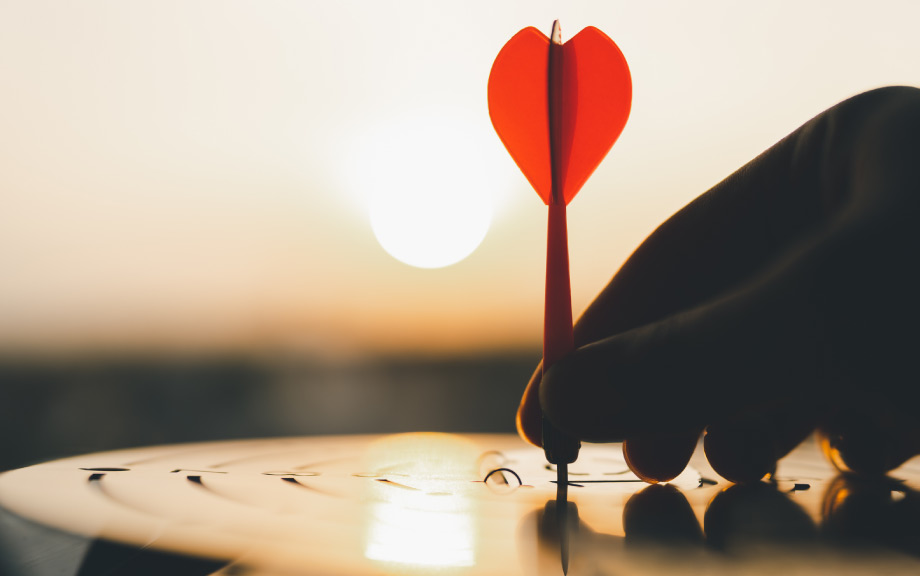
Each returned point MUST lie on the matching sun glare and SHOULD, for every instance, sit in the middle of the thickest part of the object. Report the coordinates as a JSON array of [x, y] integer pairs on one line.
[[429, 187]]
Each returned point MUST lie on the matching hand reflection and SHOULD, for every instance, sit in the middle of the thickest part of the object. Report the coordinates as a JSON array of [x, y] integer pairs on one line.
[[744, 517], [758, 522], [874, 512], [660, 514]]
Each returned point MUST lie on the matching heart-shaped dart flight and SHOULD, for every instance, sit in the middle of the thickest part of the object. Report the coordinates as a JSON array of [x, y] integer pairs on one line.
[[596, 94]]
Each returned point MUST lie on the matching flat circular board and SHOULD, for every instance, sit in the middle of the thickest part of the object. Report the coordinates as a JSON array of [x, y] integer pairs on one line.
[[422, 503]]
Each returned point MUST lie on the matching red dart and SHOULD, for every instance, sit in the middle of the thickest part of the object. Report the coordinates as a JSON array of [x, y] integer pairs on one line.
[[558, 109]]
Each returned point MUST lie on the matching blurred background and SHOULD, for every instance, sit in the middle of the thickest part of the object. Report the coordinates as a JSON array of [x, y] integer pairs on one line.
[[234, 218]]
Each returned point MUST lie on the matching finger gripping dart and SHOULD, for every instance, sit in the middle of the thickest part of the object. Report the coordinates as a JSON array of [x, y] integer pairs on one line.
[[558, 109]]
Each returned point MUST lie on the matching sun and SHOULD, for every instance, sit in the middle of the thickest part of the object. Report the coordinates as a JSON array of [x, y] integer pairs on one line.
[[429, 187]]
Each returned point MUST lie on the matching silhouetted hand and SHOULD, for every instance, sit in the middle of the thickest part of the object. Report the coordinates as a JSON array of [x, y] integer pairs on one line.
[[785, 298]]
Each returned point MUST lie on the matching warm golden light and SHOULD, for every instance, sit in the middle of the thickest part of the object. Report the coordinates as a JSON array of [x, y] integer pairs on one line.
[[170, 188]]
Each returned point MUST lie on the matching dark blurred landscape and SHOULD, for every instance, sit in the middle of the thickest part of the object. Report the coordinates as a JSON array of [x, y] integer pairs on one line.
[[55, 409]]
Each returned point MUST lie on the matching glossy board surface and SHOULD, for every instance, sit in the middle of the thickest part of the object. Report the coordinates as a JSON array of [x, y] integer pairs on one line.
[[457, 504]]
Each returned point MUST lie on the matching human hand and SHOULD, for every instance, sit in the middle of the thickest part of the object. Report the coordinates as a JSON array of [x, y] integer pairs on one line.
[[785, 298]]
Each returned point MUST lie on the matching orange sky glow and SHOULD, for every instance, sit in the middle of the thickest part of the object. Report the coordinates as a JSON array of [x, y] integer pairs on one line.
[[195, 175]]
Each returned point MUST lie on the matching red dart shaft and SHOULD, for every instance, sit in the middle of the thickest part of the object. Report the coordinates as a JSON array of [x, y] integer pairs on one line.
[[558, 340], [557, 320]]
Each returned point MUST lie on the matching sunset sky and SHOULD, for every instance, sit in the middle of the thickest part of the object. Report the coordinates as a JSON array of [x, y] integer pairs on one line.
[[190, 175]]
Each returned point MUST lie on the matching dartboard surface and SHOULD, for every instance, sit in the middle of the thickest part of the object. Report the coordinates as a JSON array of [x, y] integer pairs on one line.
[[464, 504]]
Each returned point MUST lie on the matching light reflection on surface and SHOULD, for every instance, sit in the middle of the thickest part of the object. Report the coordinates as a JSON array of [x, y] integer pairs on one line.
[[420, 536], [419, 511]]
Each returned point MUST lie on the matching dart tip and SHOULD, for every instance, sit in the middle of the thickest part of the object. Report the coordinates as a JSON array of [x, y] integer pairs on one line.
[[562, 483], [556, 35]]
